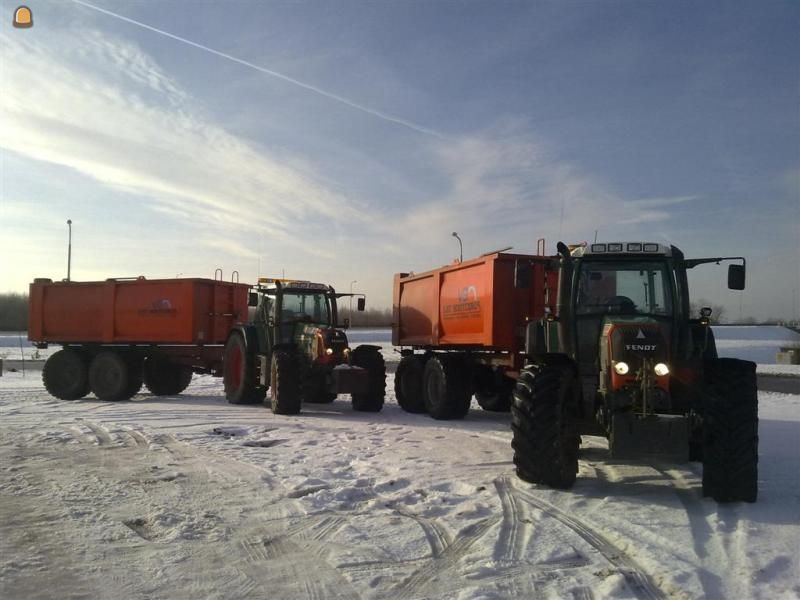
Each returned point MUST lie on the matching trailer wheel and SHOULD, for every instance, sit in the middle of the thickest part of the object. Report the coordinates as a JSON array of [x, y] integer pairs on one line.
[[65, 375], [285, 397], [730, 430], [135, 376], [545, 445], [238, 373], [445, 389], [165, 378], [408, 385], [493, 390], [110, 376], [370, 358]]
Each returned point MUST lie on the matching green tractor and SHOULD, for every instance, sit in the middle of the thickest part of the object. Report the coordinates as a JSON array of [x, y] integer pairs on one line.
[[620, 356], [294, 346]]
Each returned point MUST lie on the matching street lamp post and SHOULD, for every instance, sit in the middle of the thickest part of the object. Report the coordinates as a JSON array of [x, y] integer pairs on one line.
[[460, 248], [69, 249]]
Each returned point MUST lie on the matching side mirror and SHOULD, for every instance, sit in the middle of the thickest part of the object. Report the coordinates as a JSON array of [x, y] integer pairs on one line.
[[346, 323], [361, 303], [522, 274], [252, 299], [736, 277]]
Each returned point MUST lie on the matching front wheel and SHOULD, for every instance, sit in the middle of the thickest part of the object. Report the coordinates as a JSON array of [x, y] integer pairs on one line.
[[730, 430], [370, 358], [285, 384], [543, 437]]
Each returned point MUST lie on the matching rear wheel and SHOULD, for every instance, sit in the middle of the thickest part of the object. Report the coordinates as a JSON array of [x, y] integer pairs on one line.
[[238, 371], [445, 388], [285, 385], [65, 375], [730, 430], [408, 385], [543, 437], [165, 378], [370, 358], [111, 377]]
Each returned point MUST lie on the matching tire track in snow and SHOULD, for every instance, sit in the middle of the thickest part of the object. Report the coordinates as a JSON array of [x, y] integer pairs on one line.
[[514, 530], [714, 542], [103, 436], [438, 538], [415, 583], [640, 583]]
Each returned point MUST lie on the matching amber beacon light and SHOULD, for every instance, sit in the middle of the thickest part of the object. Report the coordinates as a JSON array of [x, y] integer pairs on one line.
[[23, 17]]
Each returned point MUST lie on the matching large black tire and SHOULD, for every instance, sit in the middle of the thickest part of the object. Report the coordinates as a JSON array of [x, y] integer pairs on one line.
[[408, 384], [65, 375], [370, 358], [493, 390], [285, 384], [239, 373], [543, 437], [111, 377], [446, 390], [165, 378], [730, 430], [135, 375]]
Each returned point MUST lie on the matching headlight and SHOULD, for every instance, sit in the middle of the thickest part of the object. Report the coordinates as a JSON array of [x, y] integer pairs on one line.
[[661, 369], [621, 368], [329, 351]]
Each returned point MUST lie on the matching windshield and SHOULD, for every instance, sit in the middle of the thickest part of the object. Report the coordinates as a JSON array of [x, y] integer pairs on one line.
[[623, 288], [310, 308]]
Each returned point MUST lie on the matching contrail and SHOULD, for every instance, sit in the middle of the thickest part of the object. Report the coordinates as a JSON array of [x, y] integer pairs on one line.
[[305, 86]]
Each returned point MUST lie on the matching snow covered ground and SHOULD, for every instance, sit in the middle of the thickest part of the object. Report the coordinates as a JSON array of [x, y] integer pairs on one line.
[[190, 497]]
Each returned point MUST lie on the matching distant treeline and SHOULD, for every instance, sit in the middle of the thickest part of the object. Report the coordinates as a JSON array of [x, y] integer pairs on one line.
[[13, 312], [372, 317]]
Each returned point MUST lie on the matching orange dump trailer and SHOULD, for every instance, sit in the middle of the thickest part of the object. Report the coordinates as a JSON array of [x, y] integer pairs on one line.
[[135, 311], [462, 330], [119, 334]]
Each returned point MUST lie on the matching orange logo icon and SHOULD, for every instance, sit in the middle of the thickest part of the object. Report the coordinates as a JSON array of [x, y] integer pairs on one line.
[[23, 17]]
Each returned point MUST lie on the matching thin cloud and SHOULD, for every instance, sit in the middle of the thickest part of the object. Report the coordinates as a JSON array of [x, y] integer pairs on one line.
[[104, 108], [306, 86]]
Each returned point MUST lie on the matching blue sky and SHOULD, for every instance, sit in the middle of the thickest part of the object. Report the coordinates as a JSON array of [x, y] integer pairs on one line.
[[343, 141]]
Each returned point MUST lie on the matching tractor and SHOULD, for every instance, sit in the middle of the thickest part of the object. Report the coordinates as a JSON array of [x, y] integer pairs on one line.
[[621, 357], [294, 346]]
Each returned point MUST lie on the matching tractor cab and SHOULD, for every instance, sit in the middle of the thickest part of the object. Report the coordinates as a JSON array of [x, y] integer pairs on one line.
[[302, 314], [621, 356], [294, 345]]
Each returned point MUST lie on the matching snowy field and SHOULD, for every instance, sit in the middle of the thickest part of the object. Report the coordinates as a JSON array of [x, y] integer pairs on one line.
[[189, 497]]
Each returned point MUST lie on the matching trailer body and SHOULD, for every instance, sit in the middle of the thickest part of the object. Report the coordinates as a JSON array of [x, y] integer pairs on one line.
[[482, 304], [135, 311], [471, 317]]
